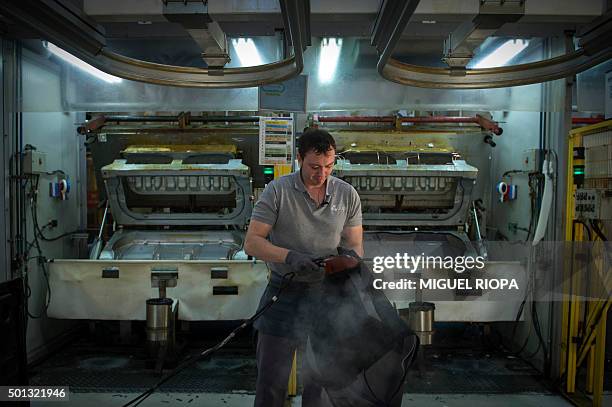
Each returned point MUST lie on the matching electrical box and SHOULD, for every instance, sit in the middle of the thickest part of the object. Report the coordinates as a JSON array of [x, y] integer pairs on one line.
[[530, 160], [594, 204], [34, 162]]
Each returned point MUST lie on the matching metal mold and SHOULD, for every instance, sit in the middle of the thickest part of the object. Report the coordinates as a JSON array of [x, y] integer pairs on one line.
[[435, 194]]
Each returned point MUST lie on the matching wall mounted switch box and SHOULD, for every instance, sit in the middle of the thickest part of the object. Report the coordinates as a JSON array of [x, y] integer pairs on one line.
[[594, 204], [34, 162], [530, 160]]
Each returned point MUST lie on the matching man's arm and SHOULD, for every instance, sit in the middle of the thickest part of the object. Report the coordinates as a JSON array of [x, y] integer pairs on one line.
[[353, 237], [257, 245]]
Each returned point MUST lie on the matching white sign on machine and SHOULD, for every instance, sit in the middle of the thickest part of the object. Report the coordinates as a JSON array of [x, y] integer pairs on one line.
[[275, 140]]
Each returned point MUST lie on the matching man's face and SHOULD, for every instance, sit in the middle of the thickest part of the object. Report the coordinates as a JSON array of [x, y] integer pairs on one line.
[[317, 167]]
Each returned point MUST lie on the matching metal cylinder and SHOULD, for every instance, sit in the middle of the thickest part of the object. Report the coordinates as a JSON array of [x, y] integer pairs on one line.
[[421, 320], [159, 315]]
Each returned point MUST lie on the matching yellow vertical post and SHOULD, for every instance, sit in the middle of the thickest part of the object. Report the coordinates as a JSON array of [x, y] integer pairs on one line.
[[600, 356], [573, 330], [570, 309], [292, 386], [592, 306], [590, 370]]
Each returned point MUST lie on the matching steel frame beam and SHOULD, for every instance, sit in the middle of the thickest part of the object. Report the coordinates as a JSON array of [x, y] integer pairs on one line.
[[54, 21], [595, 48]]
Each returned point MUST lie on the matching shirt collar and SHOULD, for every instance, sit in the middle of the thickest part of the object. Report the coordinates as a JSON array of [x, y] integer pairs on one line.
[[299, 184]]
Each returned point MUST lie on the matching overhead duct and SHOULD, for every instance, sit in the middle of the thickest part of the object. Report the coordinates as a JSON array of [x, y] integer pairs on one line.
[[209, 36], [460, 45], [595, 48], [65, 26]]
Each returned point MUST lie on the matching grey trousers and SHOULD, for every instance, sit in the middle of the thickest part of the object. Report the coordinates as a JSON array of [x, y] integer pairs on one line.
[[274, 359]]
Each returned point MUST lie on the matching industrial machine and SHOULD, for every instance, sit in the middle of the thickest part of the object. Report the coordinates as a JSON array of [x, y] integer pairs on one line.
[[417, 199], [180, 198]]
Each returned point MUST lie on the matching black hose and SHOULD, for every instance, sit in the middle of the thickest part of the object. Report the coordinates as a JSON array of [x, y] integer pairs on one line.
[[406, 362], [586, 227], [598, 230]]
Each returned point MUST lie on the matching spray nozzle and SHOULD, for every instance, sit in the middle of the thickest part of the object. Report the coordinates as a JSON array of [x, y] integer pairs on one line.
[[336, 264]]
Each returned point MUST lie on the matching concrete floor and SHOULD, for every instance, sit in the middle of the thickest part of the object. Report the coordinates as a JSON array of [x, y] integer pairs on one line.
[[242, 400], [111, 376]]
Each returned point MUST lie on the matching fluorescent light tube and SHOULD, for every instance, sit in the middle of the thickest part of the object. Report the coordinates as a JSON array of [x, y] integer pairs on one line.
[[328, 58], [71, 59], [247, 52], [503, 54]]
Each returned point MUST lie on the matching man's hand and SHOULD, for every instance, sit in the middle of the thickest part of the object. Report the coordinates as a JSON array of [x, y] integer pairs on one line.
[[301, 263]]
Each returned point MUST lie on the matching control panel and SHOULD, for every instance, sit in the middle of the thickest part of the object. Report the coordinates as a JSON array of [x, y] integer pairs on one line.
[[594, 204]]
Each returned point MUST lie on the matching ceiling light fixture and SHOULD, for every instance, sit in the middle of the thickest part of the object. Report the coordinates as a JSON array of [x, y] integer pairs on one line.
[[247, 52], [328, 58], [82, 65], [503, 54]]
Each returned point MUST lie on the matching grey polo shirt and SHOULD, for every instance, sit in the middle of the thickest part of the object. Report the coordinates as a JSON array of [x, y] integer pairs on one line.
[[299, 224]]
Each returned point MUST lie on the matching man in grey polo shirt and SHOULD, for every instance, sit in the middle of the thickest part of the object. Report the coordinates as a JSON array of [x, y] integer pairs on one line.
[[299, 217]]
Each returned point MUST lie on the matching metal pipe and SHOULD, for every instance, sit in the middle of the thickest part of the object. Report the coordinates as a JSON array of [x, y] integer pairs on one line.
[[390, 119], [481, 246], [162, 288], [356, 119], [438, 119], [421, 320], [103, 221], [483, 122], [96, 248], [197, 119], [158, 325], [587, 120], [478, 119]]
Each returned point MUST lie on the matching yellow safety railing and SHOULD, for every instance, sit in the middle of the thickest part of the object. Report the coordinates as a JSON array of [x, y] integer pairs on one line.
[[583, 337]]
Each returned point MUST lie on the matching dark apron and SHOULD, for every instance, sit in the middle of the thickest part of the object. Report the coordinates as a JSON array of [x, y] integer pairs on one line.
[[358, 346], [288, 317]]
